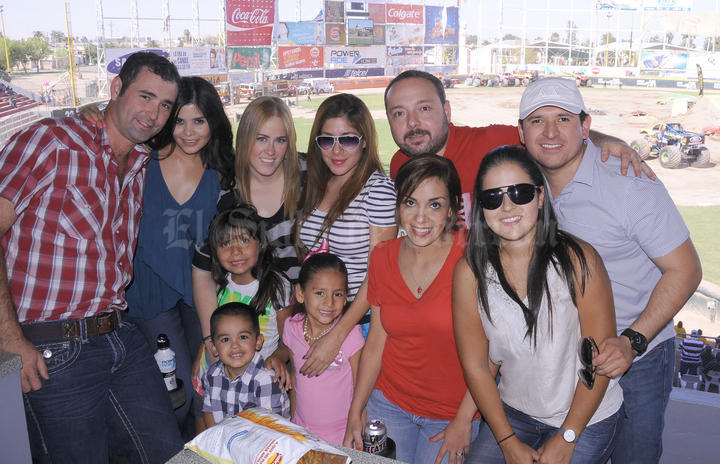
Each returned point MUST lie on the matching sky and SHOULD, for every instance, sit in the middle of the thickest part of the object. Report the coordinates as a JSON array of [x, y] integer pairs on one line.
[[22, 17]]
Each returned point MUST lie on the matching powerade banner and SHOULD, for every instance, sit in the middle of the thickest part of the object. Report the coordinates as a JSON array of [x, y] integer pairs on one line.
[[404, 34], [360, 32], [404, 14], [334, 12], [355, 56], [404, 56], [302, 33], [360, 72], [651, 59], [249, 22], [442, 25], [249, 57], [335, 34], [300, 57]]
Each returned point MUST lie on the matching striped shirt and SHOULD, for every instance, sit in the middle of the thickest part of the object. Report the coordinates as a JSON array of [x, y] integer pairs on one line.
[[690, 350], [349, 236], [254, 388], [69, 253]]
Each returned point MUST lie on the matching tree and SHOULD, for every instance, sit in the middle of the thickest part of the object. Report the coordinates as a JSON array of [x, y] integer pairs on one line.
[[687, 40], [186, 37], [152, 44], [554, 37], [669, 37], [510, 37], [36, 48], [91, 52], [471, 40], [57, 36], [571, 37], [16, 51]]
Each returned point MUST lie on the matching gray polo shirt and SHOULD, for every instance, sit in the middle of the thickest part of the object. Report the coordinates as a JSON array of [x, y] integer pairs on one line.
[[628, 221]]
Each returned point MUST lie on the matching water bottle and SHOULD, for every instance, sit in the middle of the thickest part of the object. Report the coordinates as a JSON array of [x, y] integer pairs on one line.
[[165, 358]]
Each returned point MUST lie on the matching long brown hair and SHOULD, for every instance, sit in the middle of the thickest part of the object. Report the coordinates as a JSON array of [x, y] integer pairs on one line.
[[254, 116], [318, 174]]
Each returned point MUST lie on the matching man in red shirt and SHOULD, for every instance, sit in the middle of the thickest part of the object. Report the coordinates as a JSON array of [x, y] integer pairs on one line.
[[70, 204], [419, 117]]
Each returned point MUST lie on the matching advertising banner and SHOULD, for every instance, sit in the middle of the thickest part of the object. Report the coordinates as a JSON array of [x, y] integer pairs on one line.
[[404, 34], [355, 56], [297, 75], [334, 12], [377, 12], [301, 33], [300, 57], [199, 60], [404, 14], [668, 5], [379, 34], [249, 22], [442, 25], [116, 57], [335, 34], [404, 56], [360, 32], [249, 57], [651, 59], [358, 72]]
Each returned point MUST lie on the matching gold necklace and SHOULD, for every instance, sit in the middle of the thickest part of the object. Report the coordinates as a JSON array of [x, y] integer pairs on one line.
[[309, 337]]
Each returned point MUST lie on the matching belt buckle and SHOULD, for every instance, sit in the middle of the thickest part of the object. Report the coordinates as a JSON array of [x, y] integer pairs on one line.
[[105, 323], [70, 329]]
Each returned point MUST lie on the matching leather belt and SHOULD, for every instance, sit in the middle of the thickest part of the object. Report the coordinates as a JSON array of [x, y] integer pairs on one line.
[[100, 324]]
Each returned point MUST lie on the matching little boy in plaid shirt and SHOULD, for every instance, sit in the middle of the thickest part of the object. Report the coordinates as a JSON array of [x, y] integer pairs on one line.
[[239, 380]]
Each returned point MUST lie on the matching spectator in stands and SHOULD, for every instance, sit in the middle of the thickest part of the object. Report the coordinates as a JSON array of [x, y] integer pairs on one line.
[[12, 102], [713, 364], [706, 356], [690, 350], [679, 330], [702, 338]]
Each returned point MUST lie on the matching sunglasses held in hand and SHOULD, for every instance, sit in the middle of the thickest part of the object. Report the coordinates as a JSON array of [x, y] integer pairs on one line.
[[520, 194], [348, 142], [587, 349]]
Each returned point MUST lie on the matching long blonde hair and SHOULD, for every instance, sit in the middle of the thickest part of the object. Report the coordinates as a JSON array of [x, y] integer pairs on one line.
[[318, 174], [254, 116]]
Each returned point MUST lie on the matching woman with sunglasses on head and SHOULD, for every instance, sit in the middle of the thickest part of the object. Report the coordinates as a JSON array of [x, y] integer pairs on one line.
[[531, 301], [348, 203], [268, 174], [410, 376]]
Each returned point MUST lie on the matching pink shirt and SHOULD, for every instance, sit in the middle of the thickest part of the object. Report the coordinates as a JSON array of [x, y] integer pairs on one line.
[[323, 402]]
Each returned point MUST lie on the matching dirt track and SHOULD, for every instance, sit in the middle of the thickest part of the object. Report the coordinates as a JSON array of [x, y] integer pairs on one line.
[[687, 186]]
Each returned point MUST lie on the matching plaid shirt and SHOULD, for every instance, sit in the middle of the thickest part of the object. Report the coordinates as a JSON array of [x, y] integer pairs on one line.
[[69, 253], [254, 388]]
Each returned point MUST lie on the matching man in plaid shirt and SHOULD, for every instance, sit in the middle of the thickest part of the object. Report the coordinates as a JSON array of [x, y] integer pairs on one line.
[[239, 380], [70, 203]]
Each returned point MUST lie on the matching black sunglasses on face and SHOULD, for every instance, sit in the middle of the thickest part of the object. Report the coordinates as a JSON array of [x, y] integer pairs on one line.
[[587, 374], [520, 194], [348, 142]]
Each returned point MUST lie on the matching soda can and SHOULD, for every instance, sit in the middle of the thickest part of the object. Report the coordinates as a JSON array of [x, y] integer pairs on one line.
[[375, 437]]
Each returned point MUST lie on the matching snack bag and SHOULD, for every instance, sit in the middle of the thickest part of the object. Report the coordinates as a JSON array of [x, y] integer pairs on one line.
[[258, 436]]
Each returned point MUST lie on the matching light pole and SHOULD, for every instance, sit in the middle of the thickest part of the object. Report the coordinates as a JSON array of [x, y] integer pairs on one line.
[[7, 57]]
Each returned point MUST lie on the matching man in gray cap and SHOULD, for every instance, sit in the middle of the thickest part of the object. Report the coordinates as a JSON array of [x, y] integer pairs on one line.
[[634, 225]]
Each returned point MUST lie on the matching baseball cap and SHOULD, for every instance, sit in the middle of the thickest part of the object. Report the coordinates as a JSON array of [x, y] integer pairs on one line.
[[694, 332], [551, 91]]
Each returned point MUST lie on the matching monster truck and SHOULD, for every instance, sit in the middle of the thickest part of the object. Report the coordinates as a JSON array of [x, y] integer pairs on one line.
[[673, 146]]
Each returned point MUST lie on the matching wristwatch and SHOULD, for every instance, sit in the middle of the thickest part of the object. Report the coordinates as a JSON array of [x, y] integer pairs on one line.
[[638, 342], [568, 435]]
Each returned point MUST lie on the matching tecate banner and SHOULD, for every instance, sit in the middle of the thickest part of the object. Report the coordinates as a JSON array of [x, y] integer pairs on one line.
[[300, 57], [249, 22], [404, 14]]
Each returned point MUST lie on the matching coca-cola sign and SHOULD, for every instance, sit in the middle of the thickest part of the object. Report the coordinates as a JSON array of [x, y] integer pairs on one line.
[[249, 22], [404, 14]]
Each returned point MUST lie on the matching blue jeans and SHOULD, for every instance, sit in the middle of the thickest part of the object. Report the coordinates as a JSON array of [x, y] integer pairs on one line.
[[105, 392], [182, 326], [646, 389], [411, 433], [593, 446]]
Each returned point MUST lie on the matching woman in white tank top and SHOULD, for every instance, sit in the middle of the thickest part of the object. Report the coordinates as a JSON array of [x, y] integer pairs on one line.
[[524, 297]]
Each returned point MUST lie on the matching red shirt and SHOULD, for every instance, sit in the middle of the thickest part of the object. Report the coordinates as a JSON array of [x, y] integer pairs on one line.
[[421, 372], [466, 148], [69, 253]]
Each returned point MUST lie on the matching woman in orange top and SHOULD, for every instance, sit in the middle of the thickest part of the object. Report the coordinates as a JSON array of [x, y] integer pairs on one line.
[[410, 375]]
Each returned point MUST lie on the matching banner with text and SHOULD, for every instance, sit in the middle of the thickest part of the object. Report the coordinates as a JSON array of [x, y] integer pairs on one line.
[[357, 72], [116, 57], [198, 60], [442, 25], [334, 12], [404, 34], [337, 57], [404, 14], [300, 57], [249, 22], [404, 56], [249, 57], [652, 59], [301, 33]]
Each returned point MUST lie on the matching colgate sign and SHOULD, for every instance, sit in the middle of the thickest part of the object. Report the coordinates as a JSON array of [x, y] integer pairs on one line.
[[404, 14], [249, 22]]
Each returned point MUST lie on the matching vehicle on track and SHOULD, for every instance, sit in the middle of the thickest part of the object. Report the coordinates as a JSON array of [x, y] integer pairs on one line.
[[673, 145]]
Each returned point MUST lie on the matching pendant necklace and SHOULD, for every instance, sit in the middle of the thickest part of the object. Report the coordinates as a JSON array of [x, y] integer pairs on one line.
[[309, 337]]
